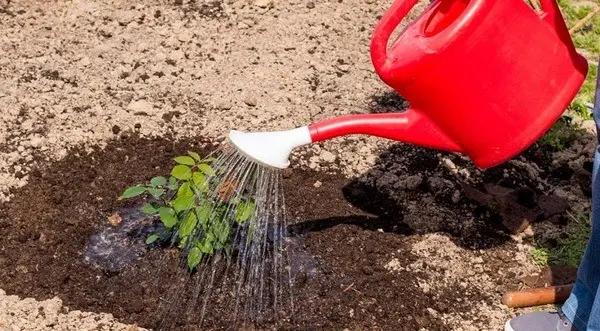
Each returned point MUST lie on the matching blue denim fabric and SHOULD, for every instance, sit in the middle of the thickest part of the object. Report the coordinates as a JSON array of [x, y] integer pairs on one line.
[[582, 307]]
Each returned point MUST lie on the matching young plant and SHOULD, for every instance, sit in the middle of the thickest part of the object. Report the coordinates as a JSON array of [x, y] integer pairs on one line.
[[562, 134], [198, 209]]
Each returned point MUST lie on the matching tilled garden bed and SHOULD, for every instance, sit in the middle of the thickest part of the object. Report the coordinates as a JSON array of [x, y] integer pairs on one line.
[[354, 256]]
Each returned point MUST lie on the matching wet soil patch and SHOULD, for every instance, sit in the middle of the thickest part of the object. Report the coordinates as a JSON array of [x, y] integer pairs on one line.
[[45, 229]]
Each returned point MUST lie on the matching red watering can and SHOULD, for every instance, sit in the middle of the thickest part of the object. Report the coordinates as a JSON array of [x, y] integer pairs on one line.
[[484, 78]]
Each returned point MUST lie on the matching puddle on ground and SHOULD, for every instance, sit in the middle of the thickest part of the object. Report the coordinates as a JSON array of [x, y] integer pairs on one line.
[[302, 264], [115, 248]]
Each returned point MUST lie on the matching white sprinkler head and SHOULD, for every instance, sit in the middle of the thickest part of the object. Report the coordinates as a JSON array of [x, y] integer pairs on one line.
[[270, 148]]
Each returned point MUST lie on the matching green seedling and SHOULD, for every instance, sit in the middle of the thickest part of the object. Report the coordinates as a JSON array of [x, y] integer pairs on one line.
[[540, 256], [562, 134], [570, 248], [585, 96], [197, 208]]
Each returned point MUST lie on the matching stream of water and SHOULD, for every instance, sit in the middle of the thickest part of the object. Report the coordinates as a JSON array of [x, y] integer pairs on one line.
[[252, 273]]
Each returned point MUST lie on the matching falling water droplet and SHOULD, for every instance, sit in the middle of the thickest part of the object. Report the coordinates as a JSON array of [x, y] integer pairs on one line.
[[248, 269]]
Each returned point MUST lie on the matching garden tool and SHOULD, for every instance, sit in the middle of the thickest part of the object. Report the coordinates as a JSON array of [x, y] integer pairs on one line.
[[537, 296], [483, 78]]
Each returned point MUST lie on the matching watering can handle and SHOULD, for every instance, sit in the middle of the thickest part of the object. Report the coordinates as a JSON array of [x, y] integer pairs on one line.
[[382, 33], [400, 9], [553, 16]]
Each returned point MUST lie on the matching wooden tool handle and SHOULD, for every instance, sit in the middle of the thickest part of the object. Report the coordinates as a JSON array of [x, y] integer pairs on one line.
[[537, 296]]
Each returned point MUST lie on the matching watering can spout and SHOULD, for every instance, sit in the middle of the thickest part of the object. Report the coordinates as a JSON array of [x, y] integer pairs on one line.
[[270, 148], [410, 126], [273, 148]]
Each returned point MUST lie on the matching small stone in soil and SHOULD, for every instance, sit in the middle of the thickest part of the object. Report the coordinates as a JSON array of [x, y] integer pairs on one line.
[[328, 156], [412, 182], [36, 142], [114, 219], [263, 3], [250, 101], [224, 105], [140, 106]]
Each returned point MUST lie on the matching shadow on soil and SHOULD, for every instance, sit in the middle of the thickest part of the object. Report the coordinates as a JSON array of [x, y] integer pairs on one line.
[[382, 213], [433, 191], [409, 191]]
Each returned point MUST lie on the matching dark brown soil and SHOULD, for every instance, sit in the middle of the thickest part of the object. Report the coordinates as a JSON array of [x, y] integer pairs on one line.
[[45, 228], [552, 276]]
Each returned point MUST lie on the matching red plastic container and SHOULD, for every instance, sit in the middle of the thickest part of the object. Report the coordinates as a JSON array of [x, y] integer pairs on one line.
[[486, 78]]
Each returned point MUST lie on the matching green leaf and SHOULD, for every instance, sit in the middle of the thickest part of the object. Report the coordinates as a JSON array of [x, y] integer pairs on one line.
[[172, 183], [151, 238], [206, 169], [194, 257], [203, 214], [244, 211], [156, 192], [209, 238], [221, 231], [209, 160], [167, 216], [182, 242], [195, 156], [185, 160], [188, 225], [133, 191], [182, 172], [205, 247], [185, 190], [149, 209], [158, 181], [199, 181], [221, 212], [183, 203]]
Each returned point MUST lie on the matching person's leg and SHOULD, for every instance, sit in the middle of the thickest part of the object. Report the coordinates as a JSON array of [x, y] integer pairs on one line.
[[581, 311], [583, 305]]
